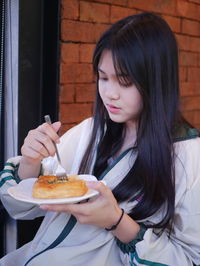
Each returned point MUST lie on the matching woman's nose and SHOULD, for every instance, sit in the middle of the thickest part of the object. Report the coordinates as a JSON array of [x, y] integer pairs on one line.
[[112, 91]]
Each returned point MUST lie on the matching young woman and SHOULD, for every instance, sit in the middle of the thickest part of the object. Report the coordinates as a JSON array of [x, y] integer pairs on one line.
[[148, 213]]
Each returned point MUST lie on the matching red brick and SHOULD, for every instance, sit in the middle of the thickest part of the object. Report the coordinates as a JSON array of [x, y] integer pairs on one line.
[[94, 12], [115, 2], [194, 74], [86, 52], [188, 59], [173, 22], [69, 52], [85, 92], [190, 88], [120, 2], [191, 27], [74, 113], [183, 73], [70, 9], [118, 13], [197, 126], [102, 1], [194, 44], [67, 93], [195, 1], [189, 103], [77, 87], [77, 31], [99, 29], [188, 9], [188, 43], [65, 127], [76, 73], [183, 42], [161, 6], [192, 116]]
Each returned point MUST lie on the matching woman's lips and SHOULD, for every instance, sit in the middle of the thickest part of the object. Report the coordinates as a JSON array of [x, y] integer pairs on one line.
[[113, 109]]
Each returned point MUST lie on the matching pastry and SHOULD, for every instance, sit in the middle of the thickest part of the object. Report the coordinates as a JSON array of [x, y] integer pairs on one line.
[[53, 187]]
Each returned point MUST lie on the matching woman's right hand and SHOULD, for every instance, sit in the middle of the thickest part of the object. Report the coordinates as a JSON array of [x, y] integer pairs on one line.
[[38, 145], [39, 142]]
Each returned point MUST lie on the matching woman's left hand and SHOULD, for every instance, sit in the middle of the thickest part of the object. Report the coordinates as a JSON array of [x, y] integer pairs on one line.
[[102, 211]]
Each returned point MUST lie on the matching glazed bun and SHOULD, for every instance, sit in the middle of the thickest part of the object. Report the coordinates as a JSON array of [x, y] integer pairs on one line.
[[54, 187]]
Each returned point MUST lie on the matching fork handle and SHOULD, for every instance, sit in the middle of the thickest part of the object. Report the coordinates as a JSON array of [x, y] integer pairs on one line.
[[47, 119]]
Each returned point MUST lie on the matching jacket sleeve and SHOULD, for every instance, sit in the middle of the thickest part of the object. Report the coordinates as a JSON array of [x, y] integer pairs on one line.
[[182, 246], [68, 146], [9, 178]]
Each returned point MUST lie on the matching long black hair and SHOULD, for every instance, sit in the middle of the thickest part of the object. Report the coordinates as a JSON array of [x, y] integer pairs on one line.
[[145, 51]]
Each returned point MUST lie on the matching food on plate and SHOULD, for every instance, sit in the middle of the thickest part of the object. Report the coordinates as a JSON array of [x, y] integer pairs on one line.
[[54, 187]]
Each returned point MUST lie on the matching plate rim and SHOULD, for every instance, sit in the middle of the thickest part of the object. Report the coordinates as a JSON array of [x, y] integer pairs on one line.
[[50, 201]]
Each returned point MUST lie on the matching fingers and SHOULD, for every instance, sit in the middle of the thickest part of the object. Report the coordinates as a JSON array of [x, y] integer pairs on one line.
[[99, 186], [56, 126], [34, 153], [50, 130], [68, 208], [37, 145], [75, 209], [99, 211], [39, 142], [85, 208]]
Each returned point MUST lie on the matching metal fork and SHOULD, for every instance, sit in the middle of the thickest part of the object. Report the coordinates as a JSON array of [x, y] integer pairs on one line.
[[60, 170]]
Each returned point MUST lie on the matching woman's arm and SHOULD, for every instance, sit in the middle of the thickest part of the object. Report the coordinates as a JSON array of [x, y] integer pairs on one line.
[[127, 229], [102, 211], [9, 177], [181, 245]]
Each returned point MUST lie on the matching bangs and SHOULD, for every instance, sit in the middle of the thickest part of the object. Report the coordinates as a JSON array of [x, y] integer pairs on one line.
[[122, 69]]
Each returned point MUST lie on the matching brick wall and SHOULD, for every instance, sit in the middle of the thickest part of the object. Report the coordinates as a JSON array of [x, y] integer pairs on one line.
[[83, 21]]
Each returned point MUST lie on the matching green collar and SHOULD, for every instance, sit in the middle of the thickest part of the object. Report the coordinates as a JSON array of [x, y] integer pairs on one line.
[[185, 132]]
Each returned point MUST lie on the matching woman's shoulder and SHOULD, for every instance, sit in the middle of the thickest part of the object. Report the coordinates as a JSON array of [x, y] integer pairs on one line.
[[187, 139], [188, 148], [86, 124], [184, 131], [187, 158]]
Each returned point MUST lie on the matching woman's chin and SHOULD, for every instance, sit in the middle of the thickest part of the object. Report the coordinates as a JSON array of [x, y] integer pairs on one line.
[[116, 119]]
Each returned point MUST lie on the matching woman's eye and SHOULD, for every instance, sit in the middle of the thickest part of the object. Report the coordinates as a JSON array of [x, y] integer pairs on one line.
[[103, 78], [126, 85], [125, 82]]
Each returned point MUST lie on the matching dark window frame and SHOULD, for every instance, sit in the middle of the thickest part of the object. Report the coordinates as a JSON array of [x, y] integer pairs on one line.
[[39, 32]]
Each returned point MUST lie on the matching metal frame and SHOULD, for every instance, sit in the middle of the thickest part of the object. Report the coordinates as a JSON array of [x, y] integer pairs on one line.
[[11, 101]]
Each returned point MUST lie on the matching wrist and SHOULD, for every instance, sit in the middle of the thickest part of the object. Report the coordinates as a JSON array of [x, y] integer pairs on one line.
[[115, 225], [127, 229], [28, 168], [29, 161]]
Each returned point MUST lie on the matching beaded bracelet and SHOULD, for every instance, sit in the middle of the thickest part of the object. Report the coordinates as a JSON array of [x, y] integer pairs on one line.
[[115, 225]]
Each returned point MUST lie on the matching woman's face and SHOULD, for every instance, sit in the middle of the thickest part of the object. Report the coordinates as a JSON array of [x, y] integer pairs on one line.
[[123, 103]]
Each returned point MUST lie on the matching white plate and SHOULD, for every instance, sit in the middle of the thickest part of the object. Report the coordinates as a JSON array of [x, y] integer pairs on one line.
[[23, 192]]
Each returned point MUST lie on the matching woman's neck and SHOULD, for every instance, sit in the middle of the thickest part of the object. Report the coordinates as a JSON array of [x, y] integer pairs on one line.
[[130, 138], [131, 133]]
